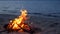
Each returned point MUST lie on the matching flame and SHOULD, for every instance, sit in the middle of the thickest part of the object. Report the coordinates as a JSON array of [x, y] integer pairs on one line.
[[18, 22]]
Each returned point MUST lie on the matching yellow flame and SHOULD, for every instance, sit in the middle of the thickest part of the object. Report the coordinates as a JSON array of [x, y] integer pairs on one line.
[[19, 20], [15, 26]]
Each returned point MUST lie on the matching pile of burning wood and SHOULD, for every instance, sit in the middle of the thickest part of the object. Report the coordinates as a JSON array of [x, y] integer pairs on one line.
[[19, 25]]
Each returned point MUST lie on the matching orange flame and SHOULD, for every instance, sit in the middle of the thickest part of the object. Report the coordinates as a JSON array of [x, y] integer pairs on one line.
[[18, 23]]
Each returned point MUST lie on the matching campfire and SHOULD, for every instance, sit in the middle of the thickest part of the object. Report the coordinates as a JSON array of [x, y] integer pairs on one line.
[[19, 24]]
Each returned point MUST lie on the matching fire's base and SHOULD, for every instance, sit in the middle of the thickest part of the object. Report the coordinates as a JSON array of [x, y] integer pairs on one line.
[[31, 31], [18, 30]]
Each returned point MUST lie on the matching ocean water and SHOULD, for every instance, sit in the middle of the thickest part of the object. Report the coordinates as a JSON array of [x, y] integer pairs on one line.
[[37, 7]]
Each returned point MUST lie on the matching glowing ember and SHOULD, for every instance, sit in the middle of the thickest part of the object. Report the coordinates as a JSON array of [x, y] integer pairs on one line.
[[18, 23]]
